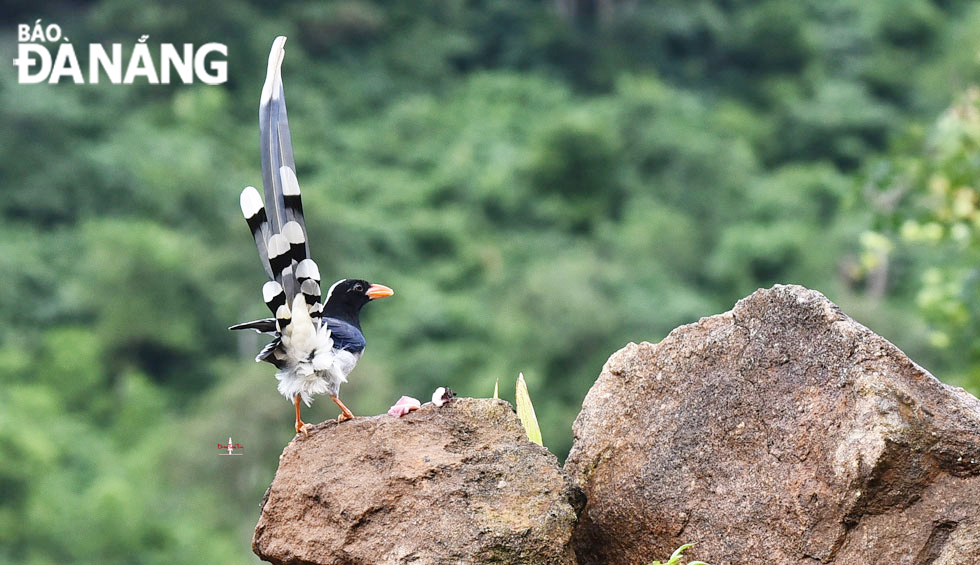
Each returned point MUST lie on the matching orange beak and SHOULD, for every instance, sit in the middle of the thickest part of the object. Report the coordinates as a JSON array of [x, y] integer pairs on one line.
[[379, 291]]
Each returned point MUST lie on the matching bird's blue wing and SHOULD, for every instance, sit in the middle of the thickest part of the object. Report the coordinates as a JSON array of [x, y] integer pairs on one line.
[[345, 335]]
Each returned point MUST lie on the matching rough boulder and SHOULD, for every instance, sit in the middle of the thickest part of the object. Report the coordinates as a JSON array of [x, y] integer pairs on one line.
[[454, 484], [779, 432]]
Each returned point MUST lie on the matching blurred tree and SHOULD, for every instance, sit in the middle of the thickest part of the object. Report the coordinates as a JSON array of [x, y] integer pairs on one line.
[[541, 182], [927, 206]]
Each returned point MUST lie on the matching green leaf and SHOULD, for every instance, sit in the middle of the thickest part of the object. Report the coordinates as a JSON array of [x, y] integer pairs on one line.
[[496, 393], [525, 411], [675, 558]]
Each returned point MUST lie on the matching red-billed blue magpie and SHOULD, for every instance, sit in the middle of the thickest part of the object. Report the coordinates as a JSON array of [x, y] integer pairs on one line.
[[316, 344]]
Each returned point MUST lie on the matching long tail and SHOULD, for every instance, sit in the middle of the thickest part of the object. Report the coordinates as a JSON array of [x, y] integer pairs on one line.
[[282, 194], [278, 225]]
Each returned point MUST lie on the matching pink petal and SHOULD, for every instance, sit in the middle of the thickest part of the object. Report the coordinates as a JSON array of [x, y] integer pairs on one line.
[[404, 405]]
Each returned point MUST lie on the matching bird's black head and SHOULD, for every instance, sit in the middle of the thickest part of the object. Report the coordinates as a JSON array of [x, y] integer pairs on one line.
[[347, 296]]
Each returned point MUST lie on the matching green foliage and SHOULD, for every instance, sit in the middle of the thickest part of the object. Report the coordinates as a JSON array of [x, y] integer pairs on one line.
[[929, 219], [675, 558], [539, 186]]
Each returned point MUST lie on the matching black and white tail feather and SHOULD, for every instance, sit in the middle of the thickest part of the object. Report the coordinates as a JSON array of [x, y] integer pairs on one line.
[[302, 348]]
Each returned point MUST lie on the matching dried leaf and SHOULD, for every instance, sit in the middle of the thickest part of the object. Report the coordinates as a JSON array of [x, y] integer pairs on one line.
[[525, 411]]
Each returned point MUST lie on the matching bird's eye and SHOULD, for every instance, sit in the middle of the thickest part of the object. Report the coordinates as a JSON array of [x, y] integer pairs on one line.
[[358, 288]]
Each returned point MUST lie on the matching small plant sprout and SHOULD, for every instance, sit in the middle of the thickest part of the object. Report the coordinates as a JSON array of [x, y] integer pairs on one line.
[[525, 411], [675, 558], [496, 392]]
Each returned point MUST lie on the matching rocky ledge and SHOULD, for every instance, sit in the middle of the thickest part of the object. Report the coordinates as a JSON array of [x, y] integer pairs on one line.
[[459, 483], [779, 432]]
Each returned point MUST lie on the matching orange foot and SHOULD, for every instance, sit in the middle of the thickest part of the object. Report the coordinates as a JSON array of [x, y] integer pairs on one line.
[[301, 427], [345, 413]]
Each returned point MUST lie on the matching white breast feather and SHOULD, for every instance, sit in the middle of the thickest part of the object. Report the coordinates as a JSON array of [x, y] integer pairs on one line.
[[312, 365]]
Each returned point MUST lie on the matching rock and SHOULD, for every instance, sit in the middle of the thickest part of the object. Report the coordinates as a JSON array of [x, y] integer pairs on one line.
[[779, 432], [456, 484]]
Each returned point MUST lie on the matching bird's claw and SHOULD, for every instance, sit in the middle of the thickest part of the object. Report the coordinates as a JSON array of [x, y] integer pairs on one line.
[[304, 429], [345, 413]]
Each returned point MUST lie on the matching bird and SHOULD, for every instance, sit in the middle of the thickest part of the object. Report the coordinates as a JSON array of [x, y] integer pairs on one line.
[[316, 343]]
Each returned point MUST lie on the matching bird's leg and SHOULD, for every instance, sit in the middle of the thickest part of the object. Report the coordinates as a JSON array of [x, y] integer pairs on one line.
[[301, 428], [345, 413]]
